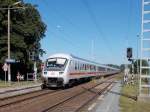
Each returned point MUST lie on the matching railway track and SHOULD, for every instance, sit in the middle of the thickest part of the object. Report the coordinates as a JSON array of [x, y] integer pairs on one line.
[[77, 101], [23, 97], [48, 100]]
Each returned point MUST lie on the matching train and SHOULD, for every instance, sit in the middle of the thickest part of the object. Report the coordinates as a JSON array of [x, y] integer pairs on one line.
[[62, 70]]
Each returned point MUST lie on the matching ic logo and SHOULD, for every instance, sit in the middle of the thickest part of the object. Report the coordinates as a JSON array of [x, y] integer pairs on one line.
[[52, 73]]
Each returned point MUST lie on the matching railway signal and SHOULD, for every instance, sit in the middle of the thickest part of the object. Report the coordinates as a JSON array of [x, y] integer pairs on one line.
[[129, 53]]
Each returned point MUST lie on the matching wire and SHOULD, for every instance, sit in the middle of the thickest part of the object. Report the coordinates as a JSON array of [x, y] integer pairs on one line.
[[65, 34], [130, 15], [65, 40], [99, 30]]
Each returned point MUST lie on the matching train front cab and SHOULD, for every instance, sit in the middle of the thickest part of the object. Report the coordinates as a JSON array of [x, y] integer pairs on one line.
[[54, 73]]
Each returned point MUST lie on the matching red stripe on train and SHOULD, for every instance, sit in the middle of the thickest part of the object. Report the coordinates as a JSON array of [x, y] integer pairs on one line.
[[83, 73]]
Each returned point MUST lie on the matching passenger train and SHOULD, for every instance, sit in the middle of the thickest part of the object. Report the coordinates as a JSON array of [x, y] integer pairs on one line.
[[61, 70]]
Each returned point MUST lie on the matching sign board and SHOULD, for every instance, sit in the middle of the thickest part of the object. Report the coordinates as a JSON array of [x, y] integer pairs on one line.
[[10, 61], [5, 67], [35, 68]]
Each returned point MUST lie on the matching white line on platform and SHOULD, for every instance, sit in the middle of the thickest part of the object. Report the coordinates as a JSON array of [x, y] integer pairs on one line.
[[101, 97], [92, 106]]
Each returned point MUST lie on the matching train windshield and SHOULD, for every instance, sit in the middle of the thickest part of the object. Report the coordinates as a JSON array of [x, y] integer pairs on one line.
[[57, 64]]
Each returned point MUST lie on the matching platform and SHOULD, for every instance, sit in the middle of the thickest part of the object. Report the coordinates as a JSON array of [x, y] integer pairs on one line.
[[11, 91], [108, 102]]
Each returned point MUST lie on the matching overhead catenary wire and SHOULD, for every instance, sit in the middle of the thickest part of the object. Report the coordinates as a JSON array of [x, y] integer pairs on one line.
[[128, 29], [75, 26], [99, 30], [76, 45], [63, 38], [129, 21]]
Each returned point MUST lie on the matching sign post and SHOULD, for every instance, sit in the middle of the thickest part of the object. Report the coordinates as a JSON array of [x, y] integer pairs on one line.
[[9, 61], [35, 72], [5, 68], [5, 77]]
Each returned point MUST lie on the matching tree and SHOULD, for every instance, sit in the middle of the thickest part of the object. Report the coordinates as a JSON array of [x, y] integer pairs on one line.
[[27, 30], [114, 66], [137, 66], [122, 67]]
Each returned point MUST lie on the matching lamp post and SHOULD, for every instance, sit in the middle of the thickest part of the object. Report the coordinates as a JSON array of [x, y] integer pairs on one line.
[[10, 7], [9, 68]]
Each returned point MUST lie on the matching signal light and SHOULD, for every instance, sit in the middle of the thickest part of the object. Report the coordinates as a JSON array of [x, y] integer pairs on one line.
[[129, 53]]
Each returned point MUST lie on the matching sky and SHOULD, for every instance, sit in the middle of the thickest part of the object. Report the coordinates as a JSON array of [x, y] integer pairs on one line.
[[97, 30]]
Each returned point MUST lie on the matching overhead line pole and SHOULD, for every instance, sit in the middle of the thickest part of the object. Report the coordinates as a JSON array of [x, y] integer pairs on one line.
[[9, 68]]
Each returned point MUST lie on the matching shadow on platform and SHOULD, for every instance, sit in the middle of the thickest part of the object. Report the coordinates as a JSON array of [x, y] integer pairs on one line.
[[125, 95]]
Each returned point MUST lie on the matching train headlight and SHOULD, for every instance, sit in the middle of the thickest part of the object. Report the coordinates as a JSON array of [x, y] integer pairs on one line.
[[61, 73], [45, 73]]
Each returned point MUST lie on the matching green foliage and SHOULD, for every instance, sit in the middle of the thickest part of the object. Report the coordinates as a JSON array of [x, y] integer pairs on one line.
[[27, 29], [114, 66], [137, 67], [122, 67]]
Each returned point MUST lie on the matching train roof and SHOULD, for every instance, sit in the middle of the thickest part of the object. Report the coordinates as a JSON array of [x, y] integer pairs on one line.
[[70, 56]]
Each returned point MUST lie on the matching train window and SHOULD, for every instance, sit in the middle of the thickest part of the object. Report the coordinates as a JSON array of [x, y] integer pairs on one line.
[[90, 67], [83, 66], [101, 69], [70, 63], [61, 61], [56, 63], [87, 67], [75, 66], [78, 66], [94, 68]]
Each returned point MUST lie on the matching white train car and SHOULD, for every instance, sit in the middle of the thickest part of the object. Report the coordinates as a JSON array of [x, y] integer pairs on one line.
[[61, 70]]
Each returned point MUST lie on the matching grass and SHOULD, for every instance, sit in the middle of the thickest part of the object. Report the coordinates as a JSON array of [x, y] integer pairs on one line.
[[16, 84], [119, 76], [130, 105]]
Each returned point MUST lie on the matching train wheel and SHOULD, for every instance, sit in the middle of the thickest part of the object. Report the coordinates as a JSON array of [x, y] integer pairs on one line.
[[65, 86], [43, 86]]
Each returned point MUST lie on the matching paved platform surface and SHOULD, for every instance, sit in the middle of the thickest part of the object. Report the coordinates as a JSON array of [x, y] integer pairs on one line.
[[10, 91], [108, 102]]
